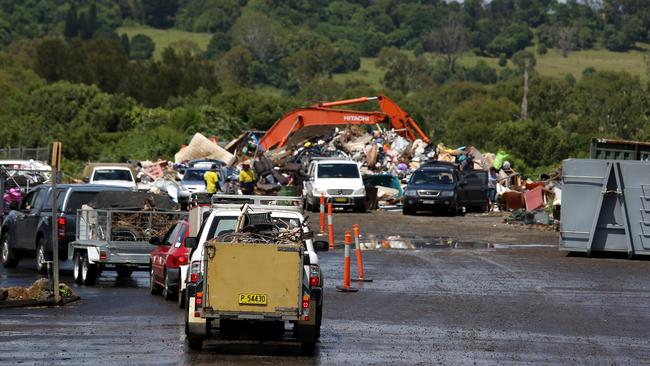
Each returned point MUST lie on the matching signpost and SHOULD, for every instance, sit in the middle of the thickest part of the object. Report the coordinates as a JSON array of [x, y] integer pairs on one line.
[[56, 167]]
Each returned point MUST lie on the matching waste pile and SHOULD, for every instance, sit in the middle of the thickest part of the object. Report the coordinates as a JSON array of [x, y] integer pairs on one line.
[[38, 291]]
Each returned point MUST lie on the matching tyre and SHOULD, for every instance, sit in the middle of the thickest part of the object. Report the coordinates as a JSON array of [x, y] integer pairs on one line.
[[167, 293], [124, 272], [319, 320], [308, 348], [76, 269], [195, 343], [88, 271], [153, 287], [181, 298], [314, 205], [360, 206], [41, 256], [407, 210], [9, 258]]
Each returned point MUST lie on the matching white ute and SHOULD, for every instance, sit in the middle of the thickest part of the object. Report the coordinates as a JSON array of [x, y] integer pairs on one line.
[[220, 218]]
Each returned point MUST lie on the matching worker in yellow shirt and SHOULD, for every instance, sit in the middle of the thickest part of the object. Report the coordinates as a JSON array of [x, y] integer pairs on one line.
[[247, 179], [211, 178]]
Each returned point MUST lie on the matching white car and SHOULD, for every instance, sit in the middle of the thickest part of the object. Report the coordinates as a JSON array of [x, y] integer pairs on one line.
[[338, 180], [219, 219], [112, 175]]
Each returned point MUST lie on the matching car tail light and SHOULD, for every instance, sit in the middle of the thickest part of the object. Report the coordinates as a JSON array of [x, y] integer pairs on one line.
[[103, 255], [305, 304], [60, 232], [181, 260], [314, 275]]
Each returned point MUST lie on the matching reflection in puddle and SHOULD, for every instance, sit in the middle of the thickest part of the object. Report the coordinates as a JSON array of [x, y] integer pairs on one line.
[[372, 241]]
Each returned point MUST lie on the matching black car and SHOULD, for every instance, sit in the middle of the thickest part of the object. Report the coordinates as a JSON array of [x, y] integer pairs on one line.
[[442, 187], [27, 230]]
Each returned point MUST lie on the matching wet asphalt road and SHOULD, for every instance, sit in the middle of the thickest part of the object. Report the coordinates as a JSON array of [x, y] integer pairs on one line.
[[432, 305]]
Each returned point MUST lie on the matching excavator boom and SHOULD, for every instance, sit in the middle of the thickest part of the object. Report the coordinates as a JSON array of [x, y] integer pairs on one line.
[[322, 114]]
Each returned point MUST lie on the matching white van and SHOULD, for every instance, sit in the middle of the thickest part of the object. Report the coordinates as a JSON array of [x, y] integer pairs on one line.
[[338, 180]]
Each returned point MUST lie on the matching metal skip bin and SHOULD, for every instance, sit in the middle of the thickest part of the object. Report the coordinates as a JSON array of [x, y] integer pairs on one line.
[[605, 206]]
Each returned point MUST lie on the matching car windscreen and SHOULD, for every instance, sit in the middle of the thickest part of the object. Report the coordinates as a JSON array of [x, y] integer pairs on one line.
[[433, 177], [112, 174], [193, 175], [338, 171]]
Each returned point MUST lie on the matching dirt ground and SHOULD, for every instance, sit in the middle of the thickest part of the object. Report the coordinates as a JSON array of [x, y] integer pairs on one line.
[[518, 301]]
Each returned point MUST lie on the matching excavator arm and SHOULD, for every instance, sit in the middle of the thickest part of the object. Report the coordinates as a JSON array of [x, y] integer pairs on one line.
[[322, 115]]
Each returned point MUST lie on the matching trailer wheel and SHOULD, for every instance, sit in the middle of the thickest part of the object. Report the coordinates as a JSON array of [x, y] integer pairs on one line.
[[124, 272], [88, 270], [76, 270]]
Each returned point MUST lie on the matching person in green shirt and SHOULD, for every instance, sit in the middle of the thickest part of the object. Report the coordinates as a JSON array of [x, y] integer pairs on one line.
[[211, 178]]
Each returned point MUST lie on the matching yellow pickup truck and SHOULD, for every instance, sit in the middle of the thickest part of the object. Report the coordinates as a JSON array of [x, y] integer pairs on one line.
[[257, 275]]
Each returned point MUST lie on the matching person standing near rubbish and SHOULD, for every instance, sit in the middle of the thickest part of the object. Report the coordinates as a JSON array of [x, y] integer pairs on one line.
[[211, 178], [247, 179], [492, 188]]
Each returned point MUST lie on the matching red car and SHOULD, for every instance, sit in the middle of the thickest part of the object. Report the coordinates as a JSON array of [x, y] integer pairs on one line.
[[166, 259]]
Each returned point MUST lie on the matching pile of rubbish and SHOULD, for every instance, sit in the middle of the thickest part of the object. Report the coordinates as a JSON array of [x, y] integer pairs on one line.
[[38, 291], [387, 161]]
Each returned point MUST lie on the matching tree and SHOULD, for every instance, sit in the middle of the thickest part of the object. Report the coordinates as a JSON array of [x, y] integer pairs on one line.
[[71, 27], [449, 41], [126, 45], [525, 61], [219, 43], [235, 65], [402, 74], [565, 40], [159, 13], [258, 33], [142, 47]]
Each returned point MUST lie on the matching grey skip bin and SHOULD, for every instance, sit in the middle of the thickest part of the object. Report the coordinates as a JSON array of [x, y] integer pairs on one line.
[[605, 206]]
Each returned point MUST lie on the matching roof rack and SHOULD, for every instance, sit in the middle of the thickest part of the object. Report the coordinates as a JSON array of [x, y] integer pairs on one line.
[[258, 202]]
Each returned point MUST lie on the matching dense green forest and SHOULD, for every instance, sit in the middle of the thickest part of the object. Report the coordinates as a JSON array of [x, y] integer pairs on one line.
[[67, 73]]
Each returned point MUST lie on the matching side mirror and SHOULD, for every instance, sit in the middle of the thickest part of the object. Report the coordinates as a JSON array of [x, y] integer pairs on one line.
[[154, 240], [321, 246], [86, 179], [191, 242]]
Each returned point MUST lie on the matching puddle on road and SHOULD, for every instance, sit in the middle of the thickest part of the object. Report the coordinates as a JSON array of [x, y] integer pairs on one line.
[[371, 242]]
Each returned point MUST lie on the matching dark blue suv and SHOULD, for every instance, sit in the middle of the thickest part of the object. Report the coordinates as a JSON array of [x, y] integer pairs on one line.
[[27, 230], [440, 186]]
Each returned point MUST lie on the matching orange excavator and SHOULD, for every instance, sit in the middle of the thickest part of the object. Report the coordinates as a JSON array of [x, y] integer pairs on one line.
[[323, 115]]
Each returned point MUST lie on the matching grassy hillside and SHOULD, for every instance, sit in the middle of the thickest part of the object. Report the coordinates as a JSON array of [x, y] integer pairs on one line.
[[164, 37], [551, 64]]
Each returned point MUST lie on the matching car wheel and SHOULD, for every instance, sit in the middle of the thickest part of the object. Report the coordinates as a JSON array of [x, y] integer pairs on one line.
[[124, 272], [181, 296], [195, 343], [41, 256], [407, 210], [76, 269], [314, 204], [153, 287], [88, 271], [9, 259], [167, 293], [308, 348]]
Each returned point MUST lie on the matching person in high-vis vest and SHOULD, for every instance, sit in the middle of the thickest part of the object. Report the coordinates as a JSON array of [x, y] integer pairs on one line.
[[211, 178], [247, 180]]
